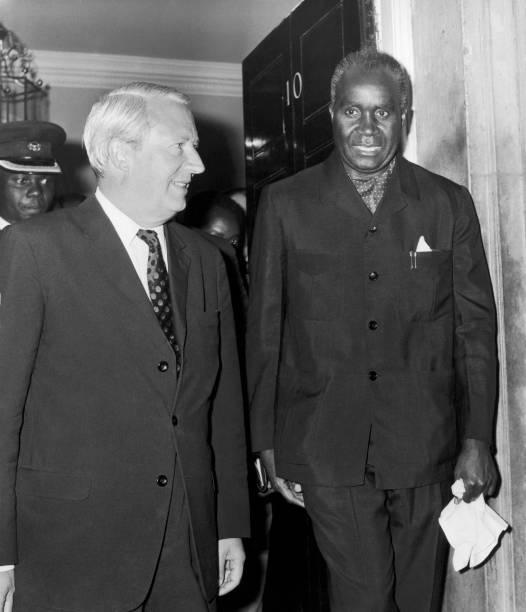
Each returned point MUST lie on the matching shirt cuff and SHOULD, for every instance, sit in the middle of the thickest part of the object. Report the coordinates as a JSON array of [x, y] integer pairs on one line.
[[6, 568]]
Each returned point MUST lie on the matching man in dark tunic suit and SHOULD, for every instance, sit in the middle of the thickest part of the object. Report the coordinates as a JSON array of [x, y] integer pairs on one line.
[[371, 348]]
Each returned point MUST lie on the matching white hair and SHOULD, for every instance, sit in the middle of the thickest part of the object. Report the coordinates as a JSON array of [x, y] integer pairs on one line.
[[122, 114]]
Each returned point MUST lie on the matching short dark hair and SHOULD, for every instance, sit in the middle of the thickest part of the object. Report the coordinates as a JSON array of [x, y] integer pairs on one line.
[[370, 59], [205, 206]]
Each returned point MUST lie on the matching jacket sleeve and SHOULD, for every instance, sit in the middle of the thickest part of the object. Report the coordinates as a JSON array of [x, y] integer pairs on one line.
[[228, 426], [21, 320], [265, 321], [475, 327]]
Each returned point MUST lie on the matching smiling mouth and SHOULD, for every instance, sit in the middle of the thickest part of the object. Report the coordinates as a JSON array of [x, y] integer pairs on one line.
[[367, 149], [181, 184]]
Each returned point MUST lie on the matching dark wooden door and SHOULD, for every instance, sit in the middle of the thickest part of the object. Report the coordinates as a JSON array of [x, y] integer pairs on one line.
[[267, 114], [322, 32]]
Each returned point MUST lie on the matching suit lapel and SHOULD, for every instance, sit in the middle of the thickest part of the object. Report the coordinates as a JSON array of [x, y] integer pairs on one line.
[[337, 189], [401, 190], [110, 256], [178, 266]]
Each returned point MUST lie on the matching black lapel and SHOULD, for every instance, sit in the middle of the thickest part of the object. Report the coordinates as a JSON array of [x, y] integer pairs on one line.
[[401, 190], [113, 262], [336, 188], [178, 266]]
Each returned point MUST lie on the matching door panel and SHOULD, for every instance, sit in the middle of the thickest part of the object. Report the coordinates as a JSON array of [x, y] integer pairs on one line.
[[321, 34], [267, 114]]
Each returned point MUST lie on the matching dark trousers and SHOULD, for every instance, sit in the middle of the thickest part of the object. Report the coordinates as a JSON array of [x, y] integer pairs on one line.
[[383, 548]]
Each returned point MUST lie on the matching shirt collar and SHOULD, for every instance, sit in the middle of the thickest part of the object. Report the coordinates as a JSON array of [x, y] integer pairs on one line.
[[3, 223], [125, 227]]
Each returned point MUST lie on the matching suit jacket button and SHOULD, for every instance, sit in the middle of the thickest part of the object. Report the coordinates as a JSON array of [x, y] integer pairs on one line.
[[373, 275], [162, 366], [174, 420], [373, 229], [373, 325], [373, 375], [162, 481]]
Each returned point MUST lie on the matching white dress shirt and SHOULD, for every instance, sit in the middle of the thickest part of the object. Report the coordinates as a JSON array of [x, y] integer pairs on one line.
[[136, 248], [127, 229]]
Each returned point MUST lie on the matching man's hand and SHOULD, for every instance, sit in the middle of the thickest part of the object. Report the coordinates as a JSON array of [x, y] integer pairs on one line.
[[231, 560], [291, 491], [7, 590], [476, 467]]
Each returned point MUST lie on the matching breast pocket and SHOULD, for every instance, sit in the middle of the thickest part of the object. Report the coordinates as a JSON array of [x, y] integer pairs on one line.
[[314, 285], [426, 282]]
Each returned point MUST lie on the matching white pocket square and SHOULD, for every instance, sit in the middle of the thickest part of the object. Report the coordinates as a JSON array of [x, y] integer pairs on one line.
[[422, 246]]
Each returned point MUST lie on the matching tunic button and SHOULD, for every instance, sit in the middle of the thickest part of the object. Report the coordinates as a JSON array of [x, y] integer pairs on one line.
[[373, 229], [162, 366], [162, 481], [174, 420], [373, 275], [373, 375], [373, 325]]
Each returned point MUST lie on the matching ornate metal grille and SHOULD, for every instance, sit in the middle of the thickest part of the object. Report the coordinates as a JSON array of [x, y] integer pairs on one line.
[[23, 96]]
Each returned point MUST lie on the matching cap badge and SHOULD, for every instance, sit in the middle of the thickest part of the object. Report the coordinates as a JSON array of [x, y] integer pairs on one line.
[[34, 146]]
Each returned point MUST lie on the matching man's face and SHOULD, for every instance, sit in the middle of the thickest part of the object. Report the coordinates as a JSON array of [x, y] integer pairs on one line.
[[366, 121], [161, 169], [225, 225], [24, 195]]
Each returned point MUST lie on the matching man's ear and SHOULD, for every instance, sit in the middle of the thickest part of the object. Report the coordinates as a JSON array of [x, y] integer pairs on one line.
[[407, 120], [119, 155]]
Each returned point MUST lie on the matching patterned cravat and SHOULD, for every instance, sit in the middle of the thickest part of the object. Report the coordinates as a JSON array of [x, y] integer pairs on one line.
[[372, 190], [158, 285]]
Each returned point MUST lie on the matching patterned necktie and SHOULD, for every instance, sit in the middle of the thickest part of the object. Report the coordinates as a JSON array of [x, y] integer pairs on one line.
[[158, 285]]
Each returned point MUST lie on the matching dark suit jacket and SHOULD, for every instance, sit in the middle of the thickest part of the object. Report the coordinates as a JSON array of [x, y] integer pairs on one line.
[[86, 411], [345, 332]]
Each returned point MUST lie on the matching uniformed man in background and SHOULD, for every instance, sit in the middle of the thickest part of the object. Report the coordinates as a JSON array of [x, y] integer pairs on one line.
[[28, 168]]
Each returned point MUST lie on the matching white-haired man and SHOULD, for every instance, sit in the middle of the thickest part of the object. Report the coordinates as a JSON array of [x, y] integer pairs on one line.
[[122, 455]]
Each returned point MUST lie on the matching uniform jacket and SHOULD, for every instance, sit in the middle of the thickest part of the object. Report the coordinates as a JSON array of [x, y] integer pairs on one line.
[[94, 418], [348, 330]]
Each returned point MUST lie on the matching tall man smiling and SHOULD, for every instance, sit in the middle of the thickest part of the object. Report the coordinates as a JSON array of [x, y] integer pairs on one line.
[[372, 354], [122, 455]]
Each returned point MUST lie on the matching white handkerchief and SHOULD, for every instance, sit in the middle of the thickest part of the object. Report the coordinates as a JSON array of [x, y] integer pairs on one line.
[[473, 530], [422, 246]]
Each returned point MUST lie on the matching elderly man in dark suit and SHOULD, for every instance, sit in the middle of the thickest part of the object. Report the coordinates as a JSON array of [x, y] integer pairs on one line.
[[372, 353], [122, 443]]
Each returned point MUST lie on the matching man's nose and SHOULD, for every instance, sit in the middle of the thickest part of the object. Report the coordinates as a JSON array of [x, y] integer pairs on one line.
[[368, 123], [35, 188], [195, 163]]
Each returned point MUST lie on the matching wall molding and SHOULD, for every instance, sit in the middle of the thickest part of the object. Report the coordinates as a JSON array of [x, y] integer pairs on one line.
[[107, 71]]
